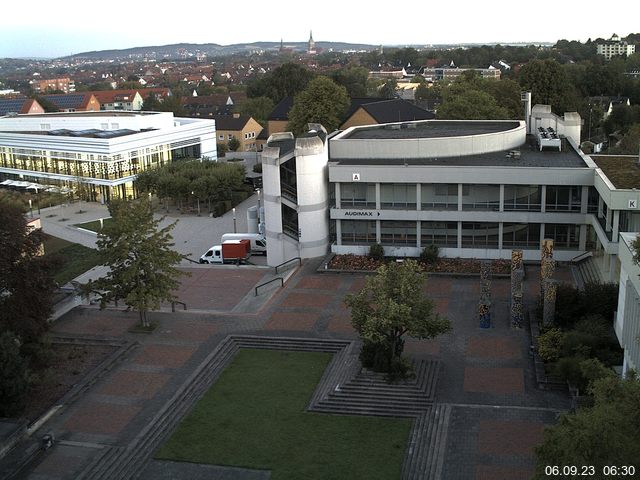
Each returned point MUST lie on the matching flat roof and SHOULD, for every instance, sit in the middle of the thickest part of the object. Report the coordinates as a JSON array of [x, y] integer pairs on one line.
[[88, 133], [622, 170], [530, 156], [431, 129], [101, 113]]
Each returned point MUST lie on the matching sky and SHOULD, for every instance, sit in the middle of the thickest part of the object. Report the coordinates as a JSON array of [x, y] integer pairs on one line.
[[40, 28]]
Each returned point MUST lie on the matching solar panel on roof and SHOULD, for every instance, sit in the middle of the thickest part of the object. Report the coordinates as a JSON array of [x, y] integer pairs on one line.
[[11, 105], [66, 101]]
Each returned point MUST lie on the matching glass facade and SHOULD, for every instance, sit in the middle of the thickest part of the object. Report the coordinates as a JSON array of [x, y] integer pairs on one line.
[[358, 232], [442, 234], [398, 196], [521, 235], [480, 235], [439, 196], [393, 232], [358, 195], [563, 199], [481, 197], [565, 236], [522, 198]]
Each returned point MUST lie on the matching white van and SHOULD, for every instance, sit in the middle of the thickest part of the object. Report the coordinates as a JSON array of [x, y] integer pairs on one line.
[[258, 242]]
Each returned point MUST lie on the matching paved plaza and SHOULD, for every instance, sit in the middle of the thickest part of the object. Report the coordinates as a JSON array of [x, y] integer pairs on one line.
[[486, 377]]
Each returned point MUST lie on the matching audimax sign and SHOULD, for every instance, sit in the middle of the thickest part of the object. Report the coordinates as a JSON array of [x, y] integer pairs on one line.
[[360, 213]]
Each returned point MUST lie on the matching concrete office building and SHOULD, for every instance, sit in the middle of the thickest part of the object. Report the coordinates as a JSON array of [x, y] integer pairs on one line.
[[102, 151]]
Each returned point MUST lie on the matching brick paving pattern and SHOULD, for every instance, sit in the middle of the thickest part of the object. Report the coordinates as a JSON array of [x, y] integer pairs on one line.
[[486, 377], [493, 380], [134, 384], [101, 418], [170, 356]]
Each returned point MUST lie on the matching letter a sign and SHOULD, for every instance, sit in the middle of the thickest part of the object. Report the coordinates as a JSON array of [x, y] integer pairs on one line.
[[356, 177]]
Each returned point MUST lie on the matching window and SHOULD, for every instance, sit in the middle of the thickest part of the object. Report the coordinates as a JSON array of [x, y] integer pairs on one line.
[[481, 197], [442, 234], [563, 199], [479, 235], [221, 137], [564, 236], [358, 195], [522, 198], [442, 196], [358, 232], [230, 136], [521, 235], [400, 196], [394, 232]]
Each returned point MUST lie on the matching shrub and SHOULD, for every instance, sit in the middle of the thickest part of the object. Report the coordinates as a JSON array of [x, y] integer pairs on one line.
[[550, 344], [573, 304], [376, 251], [430, 254]]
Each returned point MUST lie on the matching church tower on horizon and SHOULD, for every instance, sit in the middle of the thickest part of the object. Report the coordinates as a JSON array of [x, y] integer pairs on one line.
[[311, 49]]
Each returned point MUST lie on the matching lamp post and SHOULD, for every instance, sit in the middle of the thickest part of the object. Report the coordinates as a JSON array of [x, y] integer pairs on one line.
[[30, 209], [234, 220], [38, 199]]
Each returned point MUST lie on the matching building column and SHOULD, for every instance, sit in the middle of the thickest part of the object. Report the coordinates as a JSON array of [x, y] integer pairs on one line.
[[500, 230], [338, 195], [616, 225], [418, 197], [543, 199], [584, 200], [608, 221], [501, 207], [338, 232], [542, 233], [418, 236], [378, 201], [459, 202], [582, 240], [600, 205], [459, 234], [378, 232]]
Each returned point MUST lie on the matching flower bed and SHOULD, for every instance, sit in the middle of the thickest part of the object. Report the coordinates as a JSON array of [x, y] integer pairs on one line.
[[442, 265]]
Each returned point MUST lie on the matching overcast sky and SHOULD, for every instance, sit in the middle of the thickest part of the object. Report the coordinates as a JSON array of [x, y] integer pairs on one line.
[[50, 29]]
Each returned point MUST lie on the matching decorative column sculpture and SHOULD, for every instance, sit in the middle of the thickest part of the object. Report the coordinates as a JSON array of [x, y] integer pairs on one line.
[[549, 302], [484, 306], [517, 276], [547, 264]]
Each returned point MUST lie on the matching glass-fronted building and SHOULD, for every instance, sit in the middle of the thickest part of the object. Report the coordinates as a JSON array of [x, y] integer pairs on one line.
[[100, 151]]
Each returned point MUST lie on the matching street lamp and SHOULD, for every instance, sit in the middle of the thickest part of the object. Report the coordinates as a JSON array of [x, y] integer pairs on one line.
[[234, 220], [30, 209]]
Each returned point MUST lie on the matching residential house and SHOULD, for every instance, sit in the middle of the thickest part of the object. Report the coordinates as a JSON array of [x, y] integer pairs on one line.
[[242, 127], [19, 105], [129, 100], [65, 85], [74, 102]]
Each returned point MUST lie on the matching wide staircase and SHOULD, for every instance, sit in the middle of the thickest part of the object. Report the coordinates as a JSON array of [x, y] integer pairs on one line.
[[587, 271]]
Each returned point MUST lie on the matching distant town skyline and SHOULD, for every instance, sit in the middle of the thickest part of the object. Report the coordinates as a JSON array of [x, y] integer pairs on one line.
[[39, 30]]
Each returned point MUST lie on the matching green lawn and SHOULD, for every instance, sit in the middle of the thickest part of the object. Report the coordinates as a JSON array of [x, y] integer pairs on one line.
[[254, 417], [75, 259], [94, 226]]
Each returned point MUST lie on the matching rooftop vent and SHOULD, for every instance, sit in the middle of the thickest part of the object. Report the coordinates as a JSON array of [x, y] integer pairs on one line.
[[515, 154]]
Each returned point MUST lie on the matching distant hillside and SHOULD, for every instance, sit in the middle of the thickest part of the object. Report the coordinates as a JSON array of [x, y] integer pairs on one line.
[[210, 49]]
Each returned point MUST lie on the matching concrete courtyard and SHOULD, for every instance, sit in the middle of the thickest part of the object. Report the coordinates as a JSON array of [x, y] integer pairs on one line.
[[497, 412]]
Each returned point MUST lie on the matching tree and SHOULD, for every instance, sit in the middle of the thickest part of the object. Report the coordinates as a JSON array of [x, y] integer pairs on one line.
[[354, 79], [549, 85], [258, 108], [388, 89], [26, 284], [233, 144], [390, 305], [603, 435], [323, 101], [285, 81], [14, 375], [470, 105], [142, 265]]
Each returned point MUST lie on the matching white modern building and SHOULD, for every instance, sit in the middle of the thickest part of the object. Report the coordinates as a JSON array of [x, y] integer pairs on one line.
[[627, 321], [104, 151], [614, 47]]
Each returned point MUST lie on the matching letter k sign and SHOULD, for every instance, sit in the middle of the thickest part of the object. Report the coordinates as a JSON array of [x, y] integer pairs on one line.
[[633, 204]]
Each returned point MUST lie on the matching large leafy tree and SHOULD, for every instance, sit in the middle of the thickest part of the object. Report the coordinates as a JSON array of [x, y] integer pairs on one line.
[[142, 265], [14, 375], [391, 305], [285, 81], [323, 101], [470, 105], [603, 435], [549, 85], [26, 284], [259, 108], [354, 79]]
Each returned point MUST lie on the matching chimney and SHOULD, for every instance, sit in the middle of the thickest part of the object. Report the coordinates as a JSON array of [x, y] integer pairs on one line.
[[525, 97], [236, 115]]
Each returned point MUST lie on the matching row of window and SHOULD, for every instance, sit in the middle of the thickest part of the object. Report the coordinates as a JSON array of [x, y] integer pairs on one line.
[[473, 234], [474, 197]]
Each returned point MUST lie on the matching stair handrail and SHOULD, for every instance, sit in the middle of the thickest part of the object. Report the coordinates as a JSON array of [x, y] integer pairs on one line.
[[582, 256], [267, 283], [289, 261]]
